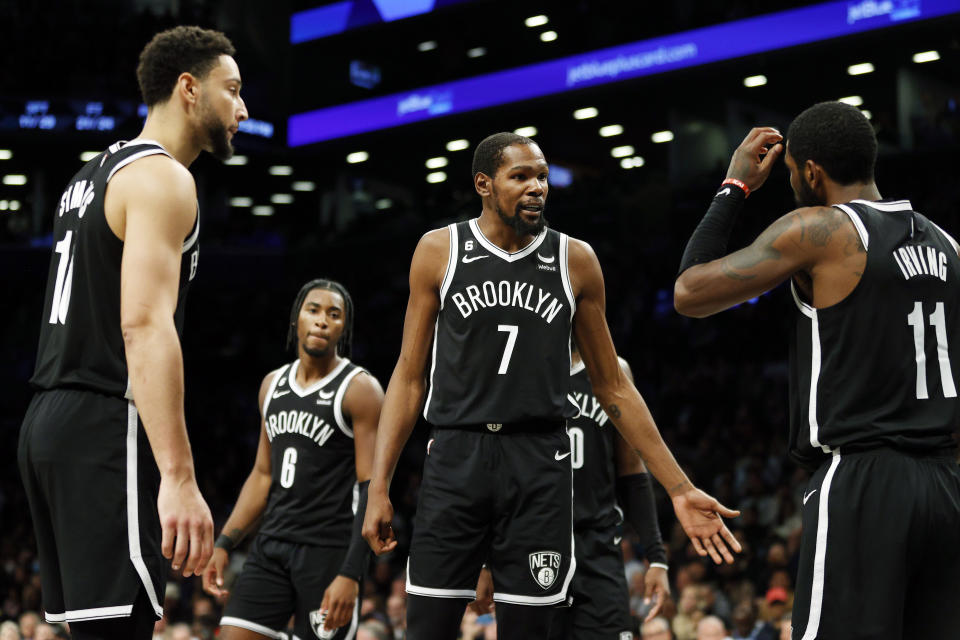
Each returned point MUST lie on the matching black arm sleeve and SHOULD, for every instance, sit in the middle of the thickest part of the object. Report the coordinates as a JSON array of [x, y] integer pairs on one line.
[[710, 238], [635, 495], [358, 554]]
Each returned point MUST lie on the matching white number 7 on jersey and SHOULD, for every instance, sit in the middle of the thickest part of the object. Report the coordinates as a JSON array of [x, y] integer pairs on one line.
[[508, 350]]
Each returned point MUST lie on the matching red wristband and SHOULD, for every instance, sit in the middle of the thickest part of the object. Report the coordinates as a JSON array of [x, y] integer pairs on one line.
[[738, 183]]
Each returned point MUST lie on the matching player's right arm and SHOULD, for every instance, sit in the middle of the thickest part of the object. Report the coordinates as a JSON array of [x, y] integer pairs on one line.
[[251, 504], [405, 392], [151, 205]]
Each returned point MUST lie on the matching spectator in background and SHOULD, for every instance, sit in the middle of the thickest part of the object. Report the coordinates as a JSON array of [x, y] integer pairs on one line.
[[747, 626], [9, 631], [656, 629], [397, 614], [786, 626], [45, 632], [712, 628], [777, 603], [372, 630], [691, 609], [29, 620], [179, 631]]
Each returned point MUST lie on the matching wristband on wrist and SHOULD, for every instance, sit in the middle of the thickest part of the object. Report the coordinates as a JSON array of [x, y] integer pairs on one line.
[[225, 542], [660, 565], [709, 239], [737, 183]]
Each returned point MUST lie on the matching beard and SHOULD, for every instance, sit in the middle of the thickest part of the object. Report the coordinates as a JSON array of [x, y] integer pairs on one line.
[[805, 196], [217, 135], [314, 352], [519, 225]]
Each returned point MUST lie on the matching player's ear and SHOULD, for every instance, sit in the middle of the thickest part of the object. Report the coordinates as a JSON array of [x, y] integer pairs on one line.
[[188, 88], [482, 183]]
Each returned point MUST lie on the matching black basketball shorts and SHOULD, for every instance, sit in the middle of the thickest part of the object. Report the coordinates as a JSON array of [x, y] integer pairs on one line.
[[282, 579], [504, 498], [879, 557], [91, 482], [600, 608]]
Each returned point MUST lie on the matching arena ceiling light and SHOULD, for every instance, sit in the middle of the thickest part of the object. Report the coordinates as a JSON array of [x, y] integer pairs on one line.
[[854, 101], [926, 56], [428, 45], [755, 81], [528, 132], [237, 161], [611, 130], [5, 154], [586, 113], [632, 163], [383, 203], [476, 52], [281, 170], [860, 69], [458, 145], [437, 163], [281, 198], [436, 177], [622, 152], [263, 210], [304, 185], [357, 157], [536, 21], [241, 201], [14, 179], [87, 156], [548, 36], [662, 136]]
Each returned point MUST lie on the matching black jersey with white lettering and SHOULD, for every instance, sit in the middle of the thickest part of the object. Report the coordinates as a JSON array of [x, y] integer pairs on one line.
[[313, 488], [501, 348], [592, 457], [880, 368], [81, 345]]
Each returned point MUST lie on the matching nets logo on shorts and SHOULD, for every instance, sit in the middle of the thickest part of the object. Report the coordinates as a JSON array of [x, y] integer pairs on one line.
[[626, 635], [317, 618], [545, 567]]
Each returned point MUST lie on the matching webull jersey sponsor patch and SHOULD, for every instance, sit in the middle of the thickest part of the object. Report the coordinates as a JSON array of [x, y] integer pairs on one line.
[[545, 567]]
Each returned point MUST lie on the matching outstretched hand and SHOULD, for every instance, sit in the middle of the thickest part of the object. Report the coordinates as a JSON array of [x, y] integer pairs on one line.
[[754, 158], [701, 517]]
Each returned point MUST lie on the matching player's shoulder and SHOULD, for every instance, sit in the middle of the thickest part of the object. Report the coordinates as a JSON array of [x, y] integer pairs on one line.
[[435, 239], [364, 382], [270, 377]]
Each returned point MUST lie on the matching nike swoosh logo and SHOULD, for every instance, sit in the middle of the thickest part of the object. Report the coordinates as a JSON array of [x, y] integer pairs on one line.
[[546, 260], [277, 394], [467, 260], [806, 496], [557, 455], [617, 539], [724, 192], [325, 395]]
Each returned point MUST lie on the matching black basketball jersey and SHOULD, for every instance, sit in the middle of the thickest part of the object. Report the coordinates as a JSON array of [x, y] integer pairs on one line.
[[878, 368], [501, 346], [313, 488], [81, 345], [592, 456]]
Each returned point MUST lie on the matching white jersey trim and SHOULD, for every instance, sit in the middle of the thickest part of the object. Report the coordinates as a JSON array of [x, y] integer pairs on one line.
[[133, 510], [899, 205], [135, 157], [577, 368], [437, 593], [858, 223], [273, 387], [193, 237], [451, 263], [815, 364], [98, 613], [565, 272], [804, 308], [316, 386], [338, 402], [949, 237], [820, 552], [250, 626], [500, 253]]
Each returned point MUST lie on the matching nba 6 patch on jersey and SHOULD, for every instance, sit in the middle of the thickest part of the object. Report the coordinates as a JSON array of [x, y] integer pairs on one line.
[[545, 566]]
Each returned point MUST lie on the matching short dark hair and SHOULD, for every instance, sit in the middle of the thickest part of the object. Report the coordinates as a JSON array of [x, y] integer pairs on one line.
[[175, 51], [489, 153], [345, 344], [838, 137]]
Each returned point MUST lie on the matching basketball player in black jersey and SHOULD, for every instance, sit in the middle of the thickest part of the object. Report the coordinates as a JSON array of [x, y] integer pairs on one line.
[[488, 325], [317, 434], [872, 374], [108, 413], [605, 471]]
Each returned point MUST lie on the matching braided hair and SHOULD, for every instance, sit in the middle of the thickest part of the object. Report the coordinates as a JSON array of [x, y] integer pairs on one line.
[[345, 344]]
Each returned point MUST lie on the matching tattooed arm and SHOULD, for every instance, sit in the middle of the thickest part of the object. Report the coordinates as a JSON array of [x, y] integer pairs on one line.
[[698, 513], [800, 242]]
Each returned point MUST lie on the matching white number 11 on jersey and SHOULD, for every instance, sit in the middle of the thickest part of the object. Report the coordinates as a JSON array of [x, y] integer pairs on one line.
[[939, 321], [61, 290]]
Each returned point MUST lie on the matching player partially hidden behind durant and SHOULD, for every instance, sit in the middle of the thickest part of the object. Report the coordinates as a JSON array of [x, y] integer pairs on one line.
[[873, 397], [318, 427], [109, 369]]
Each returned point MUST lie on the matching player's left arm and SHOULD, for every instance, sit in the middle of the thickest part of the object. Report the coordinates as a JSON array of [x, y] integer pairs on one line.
[[361, 404], [699, 514], [635, 496]]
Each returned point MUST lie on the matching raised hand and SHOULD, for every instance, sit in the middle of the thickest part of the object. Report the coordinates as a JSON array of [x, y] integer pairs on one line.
[[754, 158]]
